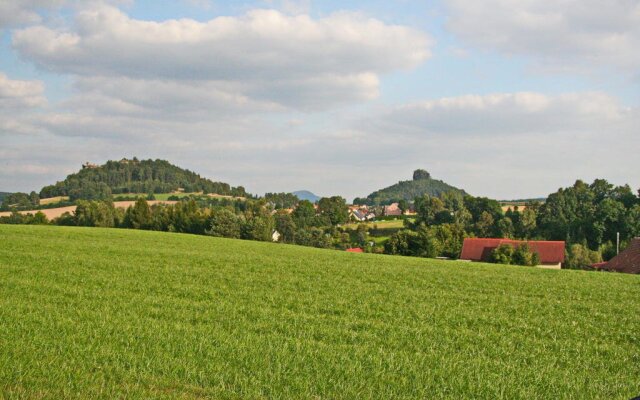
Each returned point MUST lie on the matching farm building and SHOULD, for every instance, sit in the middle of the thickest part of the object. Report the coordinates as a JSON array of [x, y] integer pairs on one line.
[[479, 249], [628, 261], [392, 209]]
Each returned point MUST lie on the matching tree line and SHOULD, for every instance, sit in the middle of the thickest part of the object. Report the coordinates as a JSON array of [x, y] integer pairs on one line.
[[586, 216], [250, 219]]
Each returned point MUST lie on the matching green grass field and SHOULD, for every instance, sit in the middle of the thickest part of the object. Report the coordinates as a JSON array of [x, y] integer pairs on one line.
[[107, 313]]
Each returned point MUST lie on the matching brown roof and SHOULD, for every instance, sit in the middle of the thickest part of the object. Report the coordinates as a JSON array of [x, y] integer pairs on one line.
[[479, 249], [627, 261]]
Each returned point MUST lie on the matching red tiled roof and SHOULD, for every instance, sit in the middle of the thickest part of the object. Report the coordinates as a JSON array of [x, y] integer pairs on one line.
[[627, 261], [355, 250], [479, 249]]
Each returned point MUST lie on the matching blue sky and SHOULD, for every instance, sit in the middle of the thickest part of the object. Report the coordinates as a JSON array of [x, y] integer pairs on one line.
[[506, 99]]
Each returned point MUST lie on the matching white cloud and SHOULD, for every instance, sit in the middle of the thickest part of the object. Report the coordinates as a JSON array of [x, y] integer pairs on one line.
[[17, 12], [18, 94], [501, 114], [563, 33], [295, 61], [511, 144]]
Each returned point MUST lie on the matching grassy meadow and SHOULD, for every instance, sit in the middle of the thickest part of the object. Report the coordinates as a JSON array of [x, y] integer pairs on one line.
[[109, 313]]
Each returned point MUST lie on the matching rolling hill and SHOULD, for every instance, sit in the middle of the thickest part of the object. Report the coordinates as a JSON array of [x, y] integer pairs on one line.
[[109, 313], [134, 176], [422, 184]]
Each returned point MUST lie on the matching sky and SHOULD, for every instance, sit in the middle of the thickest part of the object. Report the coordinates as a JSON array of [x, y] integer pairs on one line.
[[504, 98]]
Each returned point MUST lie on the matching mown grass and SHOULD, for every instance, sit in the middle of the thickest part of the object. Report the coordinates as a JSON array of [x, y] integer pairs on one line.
[[106, 313]]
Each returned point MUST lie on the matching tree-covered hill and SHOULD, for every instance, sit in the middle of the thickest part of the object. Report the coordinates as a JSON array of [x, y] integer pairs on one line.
[[3, 195], [134, 176], [421, 184]]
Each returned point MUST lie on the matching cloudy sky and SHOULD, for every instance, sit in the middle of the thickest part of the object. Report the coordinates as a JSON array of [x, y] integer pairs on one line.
[[504, 98]]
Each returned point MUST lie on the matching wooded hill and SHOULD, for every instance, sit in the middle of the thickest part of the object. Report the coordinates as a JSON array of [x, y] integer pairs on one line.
[[3, 195], [422, 184], [134, 176]]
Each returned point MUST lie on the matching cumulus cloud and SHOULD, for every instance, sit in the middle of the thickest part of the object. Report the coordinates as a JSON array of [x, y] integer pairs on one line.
[[295, 61], [18, 12], [556, 33], [18, 94]]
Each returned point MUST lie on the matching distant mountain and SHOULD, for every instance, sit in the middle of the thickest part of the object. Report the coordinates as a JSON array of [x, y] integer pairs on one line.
[[421, 184], [134, 176], [306, 195]]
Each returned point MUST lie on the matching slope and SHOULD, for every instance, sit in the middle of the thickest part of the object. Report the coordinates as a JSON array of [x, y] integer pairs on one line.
[[100, 313]]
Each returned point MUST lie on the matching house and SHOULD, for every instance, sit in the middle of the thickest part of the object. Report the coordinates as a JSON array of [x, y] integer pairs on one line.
[[392, 209], [89, 165], [551, 253], [628, 261], [355, 250], [357, 215]]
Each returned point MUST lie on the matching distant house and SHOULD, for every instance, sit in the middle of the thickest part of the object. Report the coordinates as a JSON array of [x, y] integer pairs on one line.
[[392, 209], [411, 210], [628, 261], [479, 249], [355, 250], [89, 165], [357, 215]]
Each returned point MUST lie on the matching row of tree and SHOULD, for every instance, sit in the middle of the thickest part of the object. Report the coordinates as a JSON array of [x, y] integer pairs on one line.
[[586, 216], [250, 219]]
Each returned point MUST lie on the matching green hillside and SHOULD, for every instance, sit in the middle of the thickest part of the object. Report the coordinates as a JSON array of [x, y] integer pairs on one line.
[[109, 313], [422, 184], [134, 176]]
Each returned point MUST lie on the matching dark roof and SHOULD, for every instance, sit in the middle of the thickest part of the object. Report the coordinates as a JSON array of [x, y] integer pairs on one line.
[[627, 261], [479, 249]]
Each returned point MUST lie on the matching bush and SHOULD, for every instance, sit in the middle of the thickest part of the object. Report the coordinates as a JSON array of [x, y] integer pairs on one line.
[[503, 254], [581, 257]]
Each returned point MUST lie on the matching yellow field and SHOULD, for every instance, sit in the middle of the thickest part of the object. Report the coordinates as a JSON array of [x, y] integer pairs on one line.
[[53, 200], [396, 223]]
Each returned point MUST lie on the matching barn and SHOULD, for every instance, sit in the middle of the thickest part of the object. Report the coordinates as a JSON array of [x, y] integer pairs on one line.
[[479, 249]]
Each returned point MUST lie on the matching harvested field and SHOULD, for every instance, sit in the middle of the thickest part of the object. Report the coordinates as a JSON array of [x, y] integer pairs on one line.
[[52, 213]]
